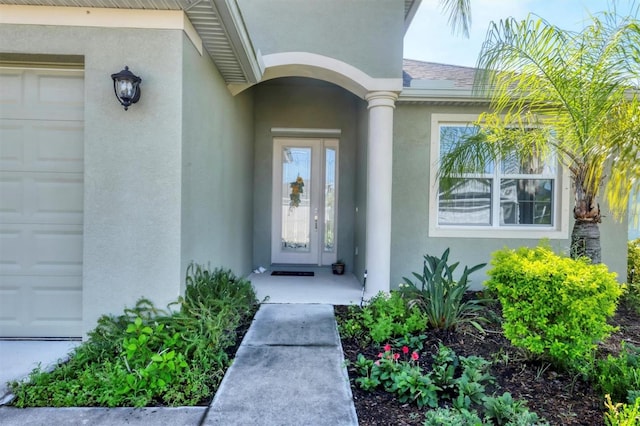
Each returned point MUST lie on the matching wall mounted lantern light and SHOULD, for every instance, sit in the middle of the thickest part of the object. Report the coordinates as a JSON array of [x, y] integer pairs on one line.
[[127, 87]]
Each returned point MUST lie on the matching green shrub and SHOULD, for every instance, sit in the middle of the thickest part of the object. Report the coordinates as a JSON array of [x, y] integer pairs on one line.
[[632, 292], [619, 376], [554, 306], [440, 297], [633, 262], [149, 356], [622, 414], [388, 315]]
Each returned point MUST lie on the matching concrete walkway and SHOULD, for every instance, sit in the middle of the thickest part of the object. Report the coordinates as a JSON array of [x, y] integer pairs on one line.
[[288, 371]]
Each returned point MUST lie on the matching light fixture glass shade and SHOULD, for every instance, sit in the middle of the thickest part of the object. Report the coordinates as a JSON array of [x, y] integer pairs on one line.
[[126, 86]]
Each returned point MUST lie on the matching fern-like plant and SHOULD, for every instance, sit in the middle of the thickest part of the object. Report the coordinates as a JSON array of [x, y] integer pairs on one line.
[[440, 297]]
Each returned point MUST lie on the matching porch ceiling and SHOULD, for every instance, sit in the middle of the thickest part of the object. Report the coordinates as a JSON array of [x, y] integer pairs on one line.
[[218, 23]]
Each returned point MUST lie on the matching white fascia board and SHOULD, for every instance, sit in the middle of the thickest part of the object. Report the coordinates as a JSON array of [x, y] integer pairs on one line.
[[100, 17], [410, 14], [231, 18]]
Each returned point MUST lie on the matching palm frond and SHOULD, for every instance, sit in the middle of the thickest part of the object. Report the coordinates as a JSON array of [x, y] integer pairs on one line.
[[459, 12]]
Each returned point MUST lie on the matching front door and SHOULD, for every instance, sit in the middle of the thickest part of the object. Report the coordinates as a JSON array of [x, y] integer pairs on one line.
[[305, 201]]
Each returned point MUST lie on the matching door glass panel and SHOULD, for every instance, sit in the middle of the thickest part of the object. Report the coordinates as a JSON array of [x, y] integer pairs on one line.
[[329, 200], [296, 196]]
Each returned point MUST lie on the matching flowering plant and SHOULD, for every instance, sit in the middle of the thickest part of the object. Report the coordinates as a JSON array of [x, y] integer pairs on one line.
[[398, 372], [296, 189]]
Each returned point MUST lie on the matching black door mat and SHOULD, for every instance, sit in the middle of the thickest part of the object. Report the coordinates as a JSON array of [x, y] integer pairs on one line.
[[294, 273]]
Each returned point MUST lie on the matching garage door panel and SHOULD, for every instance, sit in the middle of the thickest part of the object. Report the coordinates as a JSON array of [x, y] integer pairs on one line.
[[11, 251], [11, 309], [11, 94], [41, 198], [49, 295], [60, 91], [41, 250], [57, 252], [12, 192], [42, 94], [11, 145], [42, 146], [41, 306], [58, 199], [59, 147]]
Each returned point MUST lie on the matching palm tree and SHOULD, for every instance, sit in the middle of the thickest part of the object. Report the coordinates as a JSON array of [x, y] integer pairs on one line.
[[571, 93]]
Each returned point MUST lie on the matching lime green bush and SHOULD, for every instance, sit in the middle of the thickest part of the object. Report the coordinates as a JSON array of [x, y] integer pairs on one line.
[[149, 356], [622, 414], [554, 306]]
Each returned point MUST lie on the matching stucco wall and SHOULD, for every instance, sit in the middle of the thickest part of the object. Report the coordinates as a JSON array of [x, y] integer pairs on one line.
[[132, 161], [217, 162], [410, 217], [303, 103], [364, 33]]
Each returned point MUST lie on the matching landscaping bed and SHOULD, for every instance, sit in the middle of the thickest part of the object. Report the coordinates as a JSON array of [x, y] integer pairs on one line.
[[148, 356], [552, 340], [559, 397]]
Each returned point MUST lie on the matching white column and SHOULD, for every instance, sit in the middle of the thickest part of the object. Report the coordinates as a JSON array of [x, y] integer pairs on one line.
[[379, 177]]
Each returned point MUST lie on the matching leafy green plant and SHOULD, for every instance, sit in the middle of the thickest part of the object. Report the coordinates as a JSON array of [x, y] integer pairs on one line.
[[554, 306], [504, 410], [388, 315], [151, 364], [621, 414], [444, 368], [150, 356], [620, 375], [352, 326], [440, 297], [452, 417]]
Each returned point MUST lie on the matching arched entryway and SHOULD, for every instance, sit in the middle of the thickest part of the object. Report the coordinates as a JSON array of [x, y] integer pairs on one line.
[[308, 96]]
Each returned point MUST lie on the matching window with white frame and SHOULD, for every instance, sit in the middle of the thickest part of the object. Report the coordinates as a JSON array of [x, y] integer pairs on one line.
[[511, 195]]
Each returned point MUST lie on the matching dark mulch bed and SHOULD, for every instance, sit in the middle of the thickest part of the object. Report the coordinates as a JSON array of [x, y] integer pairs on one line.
[[561, 398]]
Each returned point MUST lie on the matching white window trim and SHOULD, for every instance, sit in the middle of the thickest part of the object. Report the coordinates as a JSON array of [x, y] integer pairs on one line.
[[562, 197]]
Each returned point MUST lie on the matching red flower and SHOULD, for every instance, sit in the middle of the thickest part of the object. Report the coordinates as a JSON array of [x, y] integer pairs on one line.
[[380, 355], [396, 356], [405, 350], [414, 356], [387, 347]]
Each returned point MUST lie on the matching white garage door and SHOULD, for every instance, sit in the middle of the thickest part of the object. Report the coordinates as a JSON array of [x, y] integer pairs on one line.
[[41, 201]]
